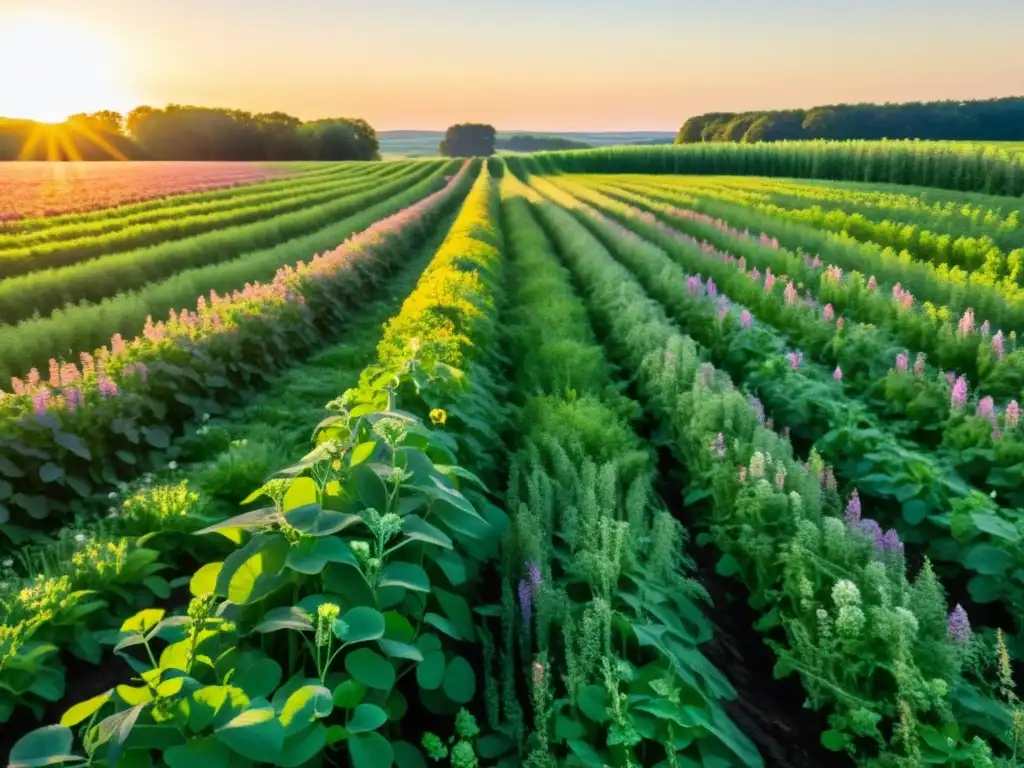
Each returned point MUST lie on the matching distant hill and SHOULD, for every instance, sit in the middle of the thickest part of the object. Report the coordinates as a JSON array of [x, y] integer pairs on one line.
[[412, 143]]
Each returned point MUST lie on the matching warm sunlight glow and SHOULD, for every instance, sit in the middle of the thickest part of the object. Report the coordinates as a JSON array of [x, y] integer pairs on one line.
[[51, 69]]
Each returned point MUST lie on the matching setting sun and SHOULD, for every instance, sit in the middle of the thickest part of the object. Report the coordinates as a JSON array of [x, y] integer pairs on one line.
[[50, 69]]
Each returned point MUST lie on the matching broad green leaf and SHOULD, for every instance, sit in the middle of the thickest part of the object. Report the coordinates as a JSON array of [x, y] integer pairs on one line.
[[256, 578], [306, 705], [85, 709], [314, 520], [286, 617], [360, 624], [143, 621], [349, 694], [258, 678], [834, 741], [407, 755], [255, 734], [591, 702], [50, 745], [403, 574], [988, 560], [206, 752], [302, 491], [443, 624], [397, 627], [430, 671], [133, 695], [370, 668], [366, 717], [372, 490], [302, 747], [310, 555], [996, 526], [459, 681], [362, 452], [457, 609], [415, 527], [370, 750], [398, 650]]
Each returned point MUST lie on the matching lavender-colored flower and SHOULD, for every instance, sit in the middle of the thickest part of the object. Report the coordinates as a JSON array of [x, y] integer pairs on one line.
[[829, 313], [73, 398], [41, 402], [958, 626], [711, 288], [794, 359], [693, 285], [745, 318], [757, 407], [959, 396], [902, 362], [755, 274], [769, 280], [986, 407], [533, 572], [998, 345], [107, 387], [841, 323], [872, 529], [1012, 414], [951, 377], [872, 284], [837, 374], [985, 329], [853, 509], [891, 541], [526, 602], [816, 263]]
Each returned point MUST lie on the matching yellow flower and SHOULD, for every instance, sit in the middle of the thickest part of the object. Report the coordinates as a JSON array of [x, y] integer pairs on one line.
[[438, 416]]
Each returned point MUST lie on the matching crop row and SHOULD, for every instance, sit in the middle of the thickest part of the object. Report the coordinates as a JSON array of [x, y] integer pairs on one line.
[[946, 165], [977, 256], [68, 331], [80, 430], [302, 640], [873, 648], [916, 488], [46, 189], [41, 292], [19, 256]]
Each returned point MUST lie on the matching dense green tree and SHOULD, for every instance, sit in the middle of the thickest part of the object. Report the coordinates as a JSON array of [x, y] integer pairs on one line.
[[983, 120], [531, 143], [468, 140]]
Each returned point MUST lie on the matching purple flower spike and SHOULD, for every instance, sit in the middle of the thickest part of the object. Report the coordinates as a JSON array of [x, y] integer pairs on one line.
[[534, 573], [1012, 414], [891, 541], [999, 345], [745, 319], [872, 529], [959, 626], [837, 374], [526, 602], [902, 362], [959, 396], [853, 509]]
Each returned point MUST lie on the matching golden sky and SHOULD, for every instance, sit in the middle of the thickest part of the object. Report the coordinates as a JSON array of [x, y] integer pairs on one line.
[[522, 64]]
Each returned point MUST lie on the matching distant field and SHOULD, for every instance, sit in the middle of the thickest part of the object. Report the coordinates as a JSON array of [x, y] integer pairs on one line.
[[424, 143]]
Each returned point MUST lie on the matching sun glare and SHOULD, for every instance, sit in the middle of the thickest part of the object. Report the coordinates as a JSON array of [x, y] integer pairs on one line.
[[51, 69]]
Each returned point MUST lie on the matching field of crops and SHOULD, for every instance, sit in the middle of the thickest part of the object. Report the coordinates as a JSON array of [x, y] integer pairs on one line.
[[565, 459]]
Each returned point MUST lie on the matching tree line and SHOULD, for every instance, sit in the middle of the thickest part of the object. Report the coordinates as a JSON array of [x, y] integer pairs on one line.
[[982, 120], [179, 132]]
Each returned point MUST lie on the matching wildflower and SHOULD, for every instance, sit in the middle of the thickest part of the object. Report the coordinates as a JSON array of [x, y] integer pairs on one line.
[[828, 479], [872, 284], [780, 477], [80, 538], [837, 374], [853, 509], [841, 323], [769, 280], [919, 364], [985, 329], [816, 263], [829, 313], [538, 675], [872, 529], [845, 592], [693, 285], [966, 324], [326, 614], [711, 288], [891, 541], [902, 362], [794, 359], [1012, 414], [958, 626], [107, 387], [986, 407], [998, 345], [41, 402], [755, 274], [959, 396], [757, 407], [745, 319], [718, 445], [757, 462], [439, 417], [534, 575], [789, 294], [743, 474], [526, 602]]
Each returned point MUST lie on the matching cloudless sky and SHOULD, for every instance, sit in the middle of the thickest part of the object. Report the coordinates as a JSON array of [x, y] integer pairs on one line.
[[541, 64]]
